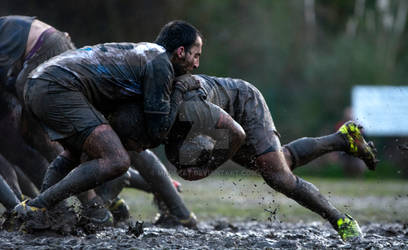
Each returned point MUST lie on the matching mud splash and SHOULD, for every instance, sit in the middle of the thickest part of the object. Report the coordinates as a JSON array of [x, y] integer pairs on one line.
[[219, 234]]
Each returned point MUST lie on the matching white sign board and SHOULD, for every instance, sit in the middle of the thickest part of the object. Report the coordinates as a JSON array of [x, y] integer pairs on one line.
[[382, 110]]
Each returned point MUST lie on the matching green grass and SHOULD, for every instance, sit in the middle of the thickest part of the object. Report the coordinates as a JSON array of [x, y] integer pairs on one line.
[[247, 197]]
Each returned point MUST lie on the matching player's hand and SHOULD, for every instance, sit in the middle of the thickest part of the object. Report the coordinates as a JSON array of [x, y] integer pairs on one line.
[[186, 83]]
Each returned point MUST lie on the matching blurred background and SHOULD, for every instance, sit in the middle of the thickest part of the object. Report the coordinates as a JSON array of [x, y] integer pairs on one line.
[[304, 55]]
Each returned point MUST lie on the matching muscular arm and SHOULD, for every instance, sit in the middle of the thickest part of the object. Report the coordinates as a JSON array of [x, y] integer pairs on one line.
[[158, 125], [229, 137]]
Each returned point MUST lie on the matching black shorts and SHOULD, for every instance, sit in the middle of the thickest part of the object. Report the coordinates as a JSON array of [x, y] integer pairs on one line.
[[65, 114]]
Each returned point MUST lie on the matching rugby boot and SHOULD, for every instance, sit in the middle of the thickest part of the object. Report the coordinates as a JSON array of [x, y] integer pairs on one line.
[[168, 220], [348, 228], [27, 218], [357, 145], [95, 212], [24, 210], [119, 210]]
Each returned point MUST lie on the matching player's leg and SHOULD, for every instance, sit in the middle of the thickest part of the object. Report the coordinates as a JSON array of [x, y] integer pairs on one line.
[[109, 160], [348, 139], [9, 175], [7, 197], [155, 173]]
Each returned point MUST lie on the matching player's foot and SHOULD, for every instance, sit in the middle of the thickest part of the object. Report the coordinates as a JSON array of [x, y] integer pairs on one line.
[[95, 212], [24, 210], [348, 228], [168, 220], [26, 218], [357, 145], [119, 210]]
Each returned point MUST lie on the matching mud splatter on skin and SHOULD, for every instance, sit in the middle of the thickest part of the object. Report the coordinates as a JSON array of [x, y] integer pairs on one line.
[[220, 234]]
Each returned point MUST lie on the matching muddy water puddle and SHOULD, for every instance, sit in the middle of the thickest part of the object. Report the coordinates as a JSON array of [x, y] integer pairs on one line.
[[218, 234]]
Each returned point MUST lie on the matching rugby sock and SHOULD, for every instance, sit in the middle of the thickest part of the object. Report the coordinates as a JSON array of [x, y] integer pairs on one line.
[[307, 195], [82, 178], [306, 149], [155, 173], [7, 197], [57, 170]]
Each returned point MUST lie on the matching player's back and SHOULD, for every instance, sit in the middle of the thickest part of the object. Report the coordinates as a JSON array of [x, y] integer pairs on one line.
[[228, 93], [110, 71]]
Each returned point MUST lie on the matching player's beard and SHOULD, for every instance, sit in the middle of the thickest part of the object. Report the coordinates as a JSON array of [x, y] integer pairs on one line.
[[180, 68]]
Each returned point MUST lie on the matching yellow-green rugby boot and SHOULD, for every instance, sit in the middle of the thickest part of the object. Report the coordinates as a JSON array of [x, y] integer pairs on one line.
[[348, 228], [357, 145]]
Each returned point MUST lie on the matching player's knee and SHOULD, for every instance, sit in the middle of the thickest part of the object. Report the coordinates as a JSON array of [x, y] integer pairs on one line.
[[120, 164]]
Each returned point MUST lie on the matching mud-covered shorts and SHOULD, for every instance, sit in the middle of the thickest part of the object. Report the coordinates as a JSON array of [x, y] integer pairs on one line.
[[65, 114], [254, 117]]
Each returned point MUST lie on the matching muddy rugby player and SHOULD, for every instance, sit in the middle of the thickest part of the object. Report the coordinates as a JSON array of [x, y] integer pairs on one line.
[[199, 143], [70, 93], [25, 42]]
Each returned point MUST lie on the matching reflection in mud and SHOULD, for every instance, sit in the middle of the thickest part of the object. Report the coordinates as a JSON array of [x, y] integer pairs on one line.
[[219, 234]]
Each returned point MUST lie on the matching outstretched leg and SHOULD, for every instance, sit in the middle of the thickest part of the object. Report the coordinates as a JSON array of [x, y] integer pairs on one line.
[[348, 139], [278, 175]]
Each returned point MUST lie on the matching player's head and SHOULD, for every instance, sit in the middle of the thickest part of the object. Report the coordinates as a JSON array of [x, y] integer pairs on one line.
[[184, 42]]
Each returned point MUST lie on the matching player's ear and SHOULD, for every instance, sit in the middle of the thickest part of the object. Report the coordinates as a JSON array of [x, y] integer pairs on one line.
[[180, 52]]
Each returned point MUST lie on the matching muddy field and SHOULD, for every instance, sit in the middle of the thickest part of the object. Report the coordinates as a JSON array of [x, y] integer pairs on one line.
[[245, 213], [218, 234]]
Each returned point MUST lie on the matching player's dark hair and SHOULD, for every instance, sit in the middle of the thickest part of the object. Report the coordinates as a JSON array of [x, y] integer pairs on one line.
[[177, 33]]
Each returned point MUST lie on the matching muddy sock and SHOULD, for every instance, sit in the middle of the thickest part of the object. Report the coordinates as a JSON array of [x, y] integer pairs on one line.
[[7, 197], [111, 189], [138, 182], [84, 177], [155, 173], [57, 170], [307, 195], [306, 149]]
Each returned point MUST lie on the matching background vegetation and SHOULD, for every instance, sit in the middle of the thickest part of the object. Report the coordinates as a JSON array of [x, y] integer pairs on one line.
[[303, 55]]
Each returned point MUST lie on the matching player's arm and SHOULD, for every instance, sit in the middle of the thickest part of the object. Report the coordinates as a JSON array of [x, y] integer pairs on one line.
[[161, 99], [228, 136]]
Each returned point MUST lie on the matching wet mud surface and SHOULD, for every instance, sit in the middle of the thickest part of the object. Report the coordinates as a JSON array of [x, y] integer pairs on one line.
[[219, 234]]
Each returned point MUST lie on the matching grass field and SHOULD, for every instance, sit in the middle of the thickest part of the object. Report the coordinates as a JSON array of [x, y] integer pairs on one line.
[[248, 197]]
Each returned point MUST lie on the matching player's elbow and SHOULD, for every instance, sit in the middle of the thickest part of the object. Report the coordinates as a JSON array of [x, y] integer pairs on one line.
[[238, 135]]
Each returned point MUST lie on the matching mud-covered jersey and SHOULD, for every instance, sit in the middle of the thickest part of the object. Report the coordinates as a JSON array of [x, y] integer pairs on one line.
[[111, 73], [14, 32], [246, 105], [228, 93]]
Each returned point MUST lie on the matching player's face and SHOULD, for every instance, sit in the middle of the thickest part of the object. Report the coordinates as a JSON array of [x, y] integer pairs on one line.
[[188, 60]]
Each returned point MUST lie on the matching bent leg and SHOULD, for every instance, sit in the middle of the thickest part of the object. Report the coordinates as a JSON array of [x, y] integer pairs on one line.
[[110, 160]]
